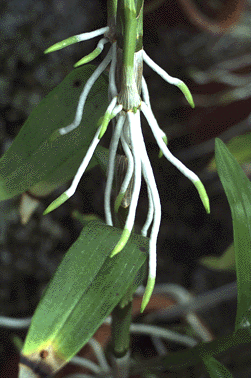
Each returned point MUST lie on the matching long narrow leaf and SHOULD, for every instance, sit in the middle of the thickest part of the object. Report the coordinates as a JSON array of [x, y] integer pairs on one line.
[[33, 157], [86, 287], [237, 188], [216, 369], [240, 147]]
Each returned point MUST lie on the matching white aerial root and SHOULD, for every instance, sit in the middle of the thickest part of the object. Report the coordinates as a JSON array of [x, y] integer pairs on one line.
[[88, 86], [111, 166], [128, 130]]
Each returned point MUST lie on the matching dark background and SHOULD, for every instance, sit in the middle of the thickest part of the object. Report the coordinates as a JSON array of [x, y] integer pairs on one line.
[[30, 254]]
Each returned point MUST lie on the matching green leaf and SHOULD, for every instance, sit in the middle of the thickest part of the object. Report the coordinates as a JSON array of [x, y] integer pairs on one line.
[[216, 369], [86, 287], [224, 262], [33, 157], [102, 156], [138, 280], [238, 191], [240, 147]]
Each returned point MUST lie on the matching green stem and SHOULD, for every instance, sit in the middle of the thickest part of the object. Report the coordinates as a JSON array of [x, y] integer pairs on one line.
[[130, 33], [129, 24], [139, 41], [112, 9], [127, 27], [122, 314], [112, 6], [180, 360], [121, 320]]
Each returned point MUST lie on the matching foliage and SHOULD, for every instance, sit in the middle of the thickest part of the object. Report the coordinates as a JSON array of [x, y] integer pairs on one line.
[[101, 271], [34, 158]]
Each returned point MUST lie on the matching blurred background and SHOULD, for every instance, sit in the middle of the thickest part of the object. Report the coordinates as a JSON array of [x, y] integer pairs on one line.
[[206, 43]]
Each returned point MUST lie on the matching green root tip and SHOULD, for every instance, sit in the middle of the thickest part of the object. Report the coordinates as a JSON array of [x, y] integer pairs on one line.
[[186, 92], [49, 50], [102, 131], [80, 62], [203, 195], [106, 119], [104, 125], [160, 154], [118, 202], [56, 203], [88, 58], [165, 141], [100, 121], [148, 293], [62, 44], [122, 242]]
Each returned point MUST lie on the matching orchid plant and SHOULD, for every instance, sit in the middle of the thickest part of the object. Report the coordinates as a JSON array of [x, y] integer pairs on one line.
[[129, 97], [102, 270]]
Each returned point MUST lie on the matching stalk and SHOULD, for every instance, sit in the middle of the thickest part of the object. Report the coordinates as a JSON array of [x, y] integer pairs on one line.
[[121, 320], [129, 32], [129, 24], [111, 19]]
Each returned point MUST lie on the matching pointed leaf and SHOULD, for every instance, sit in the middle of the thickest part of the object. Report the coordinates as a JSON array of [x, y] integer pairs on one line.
[[240, 147], [216, 369], [86, 287], [224, 262], [238, 191], [33, 157]]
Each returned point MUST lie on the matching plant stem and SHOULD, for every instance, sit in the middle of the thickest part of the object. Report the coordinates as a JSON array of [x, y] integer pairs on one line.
[[121, 366], [121, 320], [128, 26], [112, 10], [128, 31], [111, 18]]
